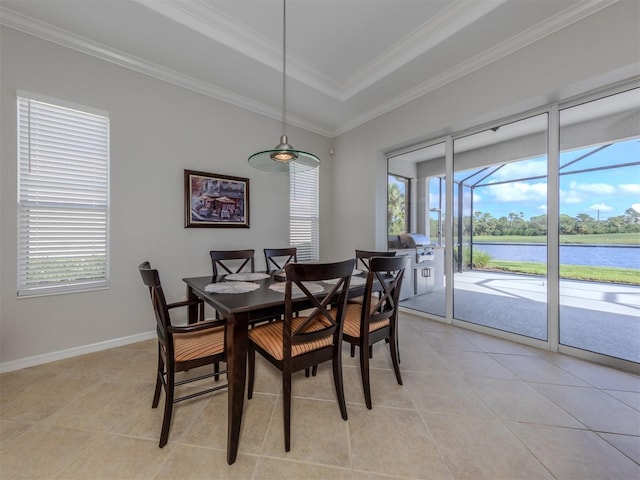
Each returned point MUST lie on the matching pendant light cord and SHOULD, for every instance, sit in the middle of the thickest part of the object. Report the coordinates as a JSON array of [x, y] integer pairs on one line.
[[284, 67]]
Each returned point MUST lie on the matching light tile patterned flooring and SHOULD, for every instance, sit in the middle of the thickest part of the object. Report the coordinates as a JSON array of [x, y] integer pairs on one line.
[[471, 407]]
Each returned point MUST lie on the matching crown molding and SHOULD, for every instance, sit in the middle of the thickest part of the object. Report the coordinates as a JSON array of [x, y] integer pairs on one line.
[[448, 22], [69, 40], [527, 37], [205, 19]]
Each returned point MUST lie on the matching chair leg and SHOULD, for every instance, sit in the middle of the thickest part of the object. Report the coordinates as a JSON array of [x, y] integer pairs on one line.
[[159, 373], [364, 373], [395, 358], [251, 357], [337, 380], [314, 370], [216, 370], [306, 372], [286, 408], [353, 350], [168, 408]]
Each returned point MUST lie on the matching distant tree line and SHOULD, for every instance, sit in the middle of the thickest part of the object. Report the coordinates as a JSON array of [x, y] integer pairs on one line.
[[515, 224]]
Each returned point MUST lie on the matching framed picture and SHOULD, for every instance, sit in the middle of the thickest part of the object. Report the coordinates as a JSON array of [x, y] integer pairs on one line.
[[212, 200]]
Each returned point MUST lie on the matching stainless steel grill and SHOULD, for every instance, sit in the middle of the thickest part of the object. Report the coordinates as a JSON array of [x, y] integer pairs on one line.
[[426, 269]]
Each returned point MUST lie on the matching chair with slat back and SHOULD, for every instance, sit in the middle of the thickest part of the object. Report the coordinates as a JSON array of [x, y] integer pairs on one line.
[[232, 261], [297, 343], [362, 261], [181, 348], [363, 257], [278, 258], [376, 319]]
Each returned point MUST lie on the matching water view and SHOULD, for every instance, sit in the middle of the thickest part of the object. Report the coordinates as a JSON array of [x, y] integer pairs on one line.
[[617, 256]]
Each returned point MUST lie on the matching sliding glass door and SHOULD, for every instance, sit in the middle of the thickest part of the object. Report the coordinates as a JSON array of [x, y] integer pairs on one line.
[[500, 227], [423, 171], [569, 276], [599, 187]]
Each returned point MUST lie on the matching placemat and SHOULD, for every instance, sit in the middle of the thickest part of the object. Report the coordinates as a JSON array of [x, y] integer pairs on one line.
[[311, 286], [231, 287], [247, 276]]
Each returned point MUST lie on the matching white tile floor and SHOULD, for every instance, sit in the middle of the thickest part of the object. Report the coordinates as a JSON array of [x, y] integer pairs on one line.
[[471, 407]]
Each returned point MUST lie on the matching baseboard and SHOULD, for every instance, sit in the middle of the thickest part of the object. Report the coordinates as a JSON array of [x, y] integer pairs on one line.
[[74, 352]]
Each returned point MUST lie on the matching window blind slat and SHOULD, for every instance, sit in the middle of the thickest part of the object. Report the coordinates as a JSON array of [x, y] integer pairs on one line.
[[304, 214], [63, 199]]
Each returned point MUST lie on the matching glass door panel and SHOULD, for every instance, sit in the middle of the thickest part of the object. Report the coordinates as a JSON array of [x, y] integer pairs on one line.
[[500, 227], [599, 183], [424, 283]]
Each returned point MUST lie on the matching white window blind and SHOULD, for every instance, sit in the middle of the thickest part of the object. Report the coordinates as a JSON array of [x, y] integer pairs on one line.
[[63, 198], [304, 214]]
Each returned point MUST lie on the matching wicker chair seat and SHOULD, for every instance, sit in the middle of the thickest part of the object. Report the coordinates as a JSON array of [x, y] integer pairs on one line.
[[352, 320], [193, 345], [271, 337]]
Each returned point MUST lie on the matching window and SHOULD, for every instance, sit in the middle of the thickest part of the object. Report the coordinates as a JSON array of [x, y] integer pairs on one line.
[[304, 217], [63, 198], [398, 196]]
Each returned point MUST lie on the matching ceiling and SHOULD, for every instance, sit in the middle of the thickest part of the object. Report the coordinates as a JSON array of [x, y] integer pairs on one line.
[[347, 61]]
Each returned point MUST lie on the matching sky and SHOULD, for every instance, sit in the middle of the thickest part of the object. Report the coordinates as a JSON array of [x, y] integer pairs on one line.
[[600, 194]]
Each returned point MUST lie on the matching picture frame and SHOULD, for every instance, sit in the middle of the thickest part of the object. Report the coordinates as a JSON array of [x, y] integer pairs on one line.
[[212, 200]]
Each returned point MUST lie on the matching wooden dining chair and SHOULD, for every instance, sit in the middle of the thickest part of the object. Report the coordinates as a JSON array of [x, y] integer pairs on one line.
[[181, 348], [363, 258], [297, 343], [232, 261], [278, 258], [376, 319]]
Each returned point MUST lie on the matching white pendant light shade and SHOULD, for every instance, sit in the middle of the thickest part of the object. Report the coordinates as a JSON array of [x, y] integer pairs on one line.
[[283, 158]]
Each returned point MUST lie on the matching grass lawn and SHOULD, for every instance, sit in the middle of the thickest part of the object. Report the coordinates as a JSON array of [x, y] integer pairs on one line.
[[626, 276]]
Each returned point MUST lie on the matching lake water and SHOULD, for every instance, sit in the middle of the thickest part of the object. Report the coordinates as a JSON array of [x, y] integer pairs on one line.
[[597, 256]]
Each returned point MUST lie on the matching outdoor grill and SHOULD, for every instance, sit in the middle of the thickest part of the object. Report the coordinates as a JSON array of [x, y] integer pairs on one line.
[[421, 276]]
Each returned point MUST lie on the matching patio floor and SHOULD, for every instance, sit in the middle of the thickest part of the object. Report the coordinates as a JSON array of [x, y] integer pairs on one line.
[[599, 317]]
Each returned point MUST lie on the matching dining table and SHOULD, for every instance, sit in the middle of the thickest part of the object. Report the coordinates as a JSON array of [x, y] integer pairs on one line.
[[242, 308]]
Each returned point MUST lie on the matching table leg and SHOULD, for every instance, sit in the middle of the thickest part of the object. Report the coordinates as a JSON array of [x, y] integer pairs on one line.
[[192, 310], [237, 345]]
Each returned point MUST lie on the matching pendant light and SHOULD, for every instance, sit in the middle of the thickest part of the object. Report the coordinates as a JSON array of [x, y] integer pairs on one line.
[[284, 158]]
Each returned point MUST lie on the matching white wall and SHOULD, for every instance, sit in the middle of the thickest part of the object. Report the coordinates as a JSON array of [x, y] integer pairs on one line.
[[157, 130], [591, 53]]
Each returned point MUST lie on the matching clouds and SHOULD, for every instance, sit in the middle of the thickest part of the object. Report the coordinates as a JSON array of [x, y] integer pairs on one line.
[[630, 188], [578, 193], [526, 169], [607, 183], [592, 188], [575, 196], [517, 192], [601, 207]]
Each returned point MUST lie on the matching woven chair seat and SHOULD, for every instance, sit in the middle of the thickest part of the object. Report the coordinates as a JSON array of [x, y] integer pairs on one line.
[[189, 346], [352, 320], [270, 337]]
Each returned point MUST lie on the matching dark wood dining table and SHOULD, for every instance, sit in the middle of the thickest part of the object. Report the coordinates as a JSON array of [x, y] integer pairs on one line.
[[241, 310]]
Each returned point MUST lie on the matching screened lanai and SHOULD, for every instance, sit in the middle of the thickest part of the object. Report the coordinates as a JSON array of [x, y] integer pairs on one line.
[[545, 227]]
